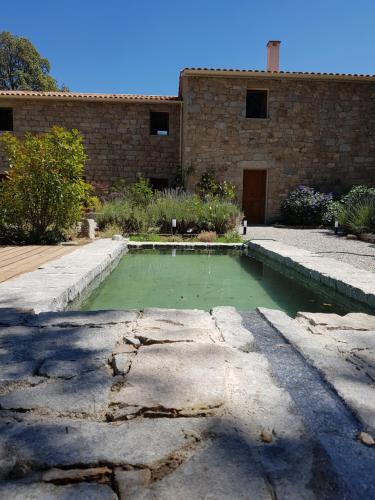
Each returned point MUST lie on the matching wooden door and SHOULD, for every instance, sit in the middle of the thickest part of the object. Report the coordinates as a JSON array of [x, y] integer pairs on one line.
[[254, 196]]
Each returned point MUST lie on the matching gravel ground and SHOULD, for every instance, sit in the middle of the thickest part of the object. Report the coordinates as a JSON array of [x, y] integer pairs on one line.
[[355, 252]]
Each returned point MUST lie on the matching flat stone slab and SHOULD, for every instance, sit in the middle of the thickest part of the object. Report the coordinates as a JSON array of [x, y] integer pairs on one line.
[[229, 471], [42, 491], [155, 326], [321, 322], [161, 379], [229, 323], [85, 396], [346, 359], [78, 318], [64, 344], [69, 443], [58, 371]]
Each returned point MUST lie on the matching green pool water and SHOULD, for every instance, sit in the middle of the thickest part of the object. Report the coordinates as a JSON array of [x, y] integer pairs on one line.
[[205, 279]]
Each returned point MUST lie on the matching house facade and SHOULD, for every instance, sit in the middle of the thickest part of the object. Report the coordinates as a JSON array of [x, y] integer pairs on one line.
[[266, 131]]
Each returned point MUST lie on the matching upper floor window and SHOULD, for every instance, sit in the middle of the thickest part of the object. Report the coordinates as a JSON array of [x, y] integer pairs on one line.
[[6, 119], [159, 123], [256, 104]]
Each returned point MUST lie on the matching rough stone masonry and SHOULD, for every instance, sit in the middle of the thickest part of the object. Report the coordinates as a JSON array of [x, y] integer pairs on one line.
[[153, 404]]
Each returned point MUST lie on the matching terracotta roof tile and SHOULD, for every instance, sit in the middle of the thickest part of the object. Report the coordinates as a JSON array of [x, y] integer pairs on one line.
[[271, 73], [88, 96]]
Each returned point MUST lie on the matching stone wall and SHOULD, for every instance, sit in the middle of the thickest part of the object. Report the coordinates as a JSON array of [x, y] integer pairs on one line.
[[319, 133], [116, 135]]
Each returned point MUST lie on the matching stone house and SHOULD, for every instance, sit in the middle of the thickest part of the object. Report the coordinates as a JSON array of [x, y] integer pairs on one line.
[[266, 131]]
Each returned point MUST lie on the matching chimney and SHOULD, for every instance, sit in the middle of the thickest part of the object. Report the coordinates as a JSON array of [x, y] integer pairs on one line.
[[273, 47]]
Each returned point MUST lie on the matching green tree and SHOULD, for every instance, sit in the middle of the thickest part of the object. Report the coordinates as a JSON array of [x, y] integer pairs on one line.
[[22, 67], [44, 193]]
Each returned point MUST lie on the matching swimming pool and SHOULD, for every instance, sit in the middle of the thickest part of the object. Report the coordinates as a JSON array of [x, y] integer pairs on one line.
[[202, 279]]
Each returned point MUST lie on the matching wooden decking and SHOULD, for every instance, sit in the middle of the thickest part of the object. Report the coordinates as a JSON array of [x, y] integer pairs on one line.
[[17, 260]]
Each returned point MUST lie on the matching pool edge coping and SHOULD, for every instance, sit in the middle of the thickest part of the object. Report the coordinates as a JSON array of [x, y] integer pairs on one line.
[[345, 279], [181, 244], [58, 283], [71, 275]]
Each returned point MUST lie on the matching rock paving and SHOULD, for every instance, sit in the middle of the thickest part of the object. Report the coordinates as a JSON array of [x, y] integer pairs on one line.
[[166, 404], [343, 350]]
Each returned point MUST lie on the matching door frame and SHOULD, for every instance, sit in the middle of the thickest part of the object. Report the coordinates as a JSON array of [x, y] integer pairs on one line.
[[266, 193]]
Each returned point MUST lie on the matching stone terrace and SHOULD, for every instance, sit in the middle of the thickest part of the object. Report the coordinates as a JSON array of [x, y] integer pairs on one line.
[[176, 404]]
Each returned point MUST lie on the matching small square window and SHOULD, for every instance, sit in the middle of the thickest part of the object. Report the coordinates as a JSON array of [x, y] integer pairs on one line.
[[159, 123], [6, 119], [256, 104]]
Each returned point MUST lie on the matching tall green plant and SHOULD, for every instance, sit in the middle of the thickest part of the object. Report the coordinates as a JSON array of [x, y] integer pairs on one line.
[[44, 192], [353, 211], [359, 218]]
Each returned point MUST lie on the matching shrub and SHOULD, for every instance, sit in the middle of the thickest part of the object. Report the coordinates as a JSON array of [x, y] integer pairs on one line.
[[122, 213], [138, 193], [353, 211], [44, 192], [357, 194], [218, 216], [209, 187], [304, 206], [207, 236], [173, 204], [331, 212], [191, 213], [110, 230], [359, 218]]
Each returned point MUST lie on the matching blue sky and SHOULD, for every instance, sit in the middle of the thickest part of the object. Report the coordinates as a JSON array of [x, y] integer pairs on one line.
[[139, 46]]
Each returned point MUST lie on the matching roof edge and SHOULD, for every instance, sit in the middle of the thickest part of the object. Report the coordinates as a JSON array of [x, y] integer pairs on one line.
[[78, 96], [272, 74]]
